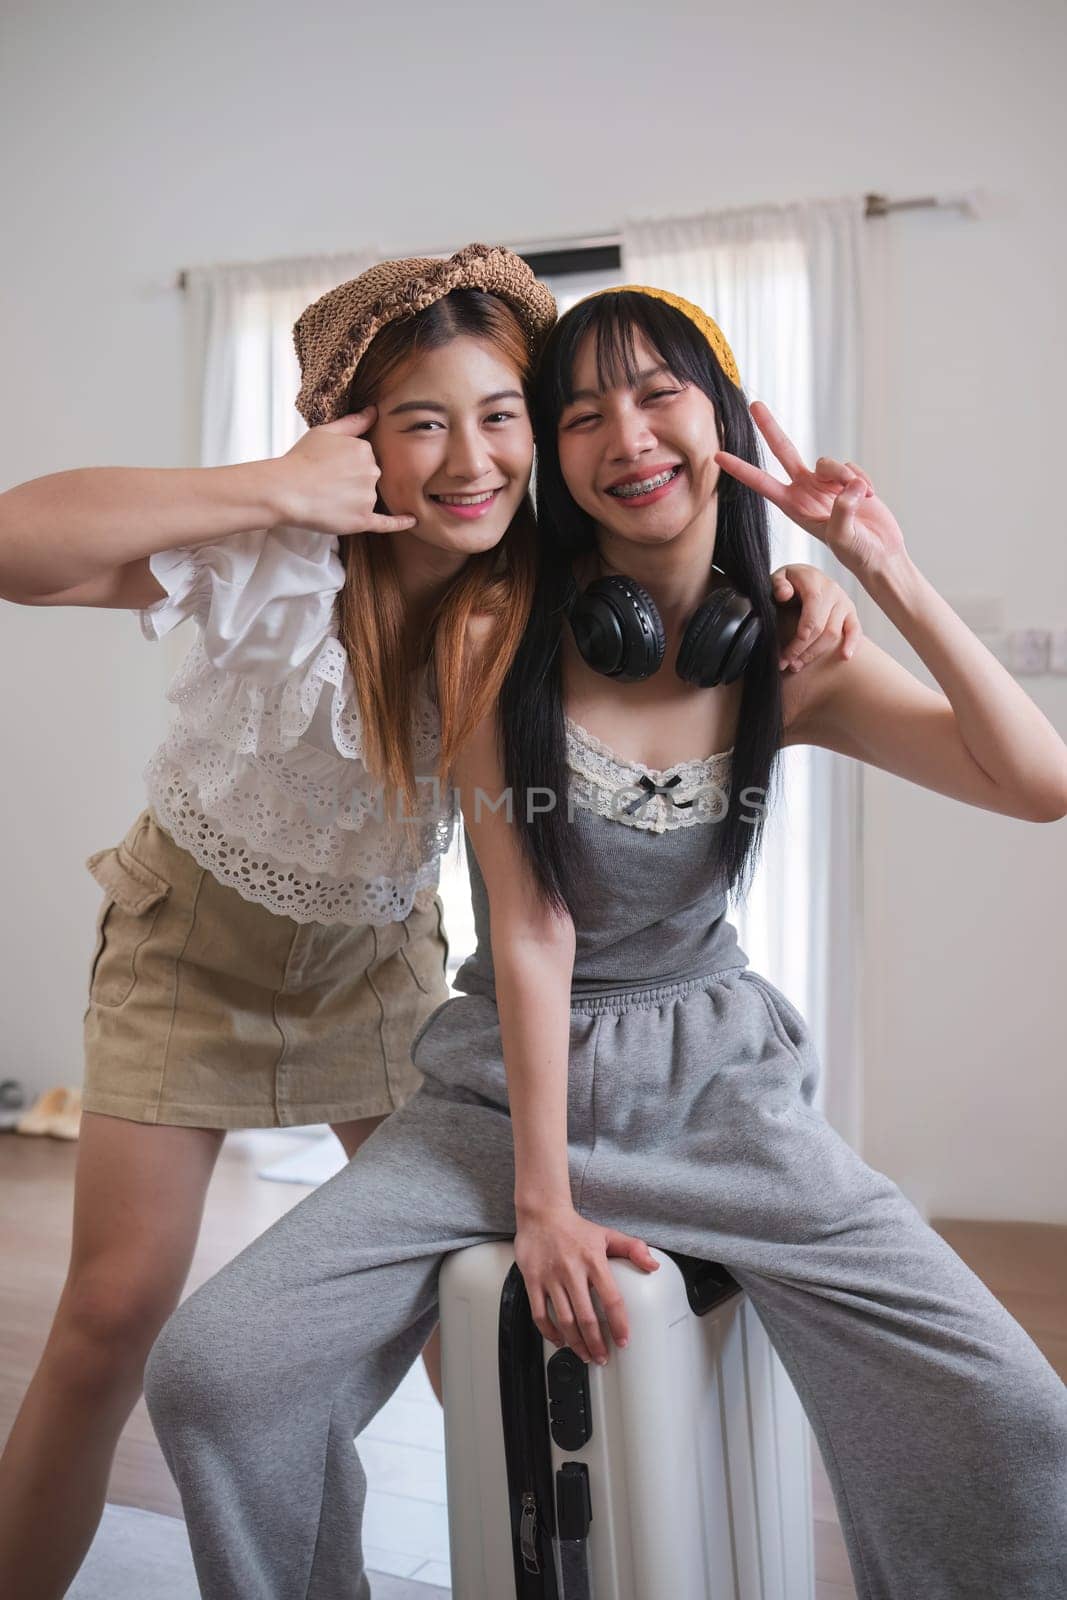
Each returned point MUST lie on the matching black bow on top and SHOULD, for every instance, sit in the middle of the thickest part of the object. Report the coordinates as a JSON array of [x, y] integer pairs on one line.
[[652, 789]]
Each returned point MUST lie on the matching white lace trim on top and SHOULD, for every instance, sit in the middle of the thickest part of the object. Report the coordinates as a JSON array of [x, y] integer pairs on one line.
[[251, 718], [265, 786], [250, 851], [656, 800]]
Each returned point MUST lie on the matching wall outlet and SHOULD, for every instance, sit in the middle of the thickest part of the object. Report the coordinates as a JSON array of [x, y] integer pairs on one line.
[[1026, 652], [1057, 660]]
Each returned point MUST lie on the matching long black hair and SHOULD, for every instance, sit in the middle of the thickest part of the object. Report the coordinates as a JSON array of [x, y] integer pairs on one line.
[[531, 707]]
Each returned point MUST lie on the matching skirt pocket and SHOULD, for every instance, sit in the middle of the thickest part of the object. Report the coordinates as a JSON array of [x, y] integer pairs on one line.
[[133, 895], [425, 952]]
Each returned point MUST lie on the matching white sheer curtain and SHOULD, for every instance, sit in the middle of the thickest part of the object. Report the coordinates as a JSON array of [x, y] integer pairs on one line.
[[785, 283], [241, 331]]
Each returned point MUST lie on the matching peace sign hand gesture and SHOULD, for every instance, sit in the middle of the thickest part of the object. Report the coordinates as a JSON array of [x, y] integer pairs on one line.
[[835, 504]]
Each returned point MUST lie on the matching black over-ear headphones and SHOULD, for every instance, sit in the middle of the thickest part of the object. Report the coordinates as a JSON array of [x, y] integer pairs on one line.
[[619, 632]]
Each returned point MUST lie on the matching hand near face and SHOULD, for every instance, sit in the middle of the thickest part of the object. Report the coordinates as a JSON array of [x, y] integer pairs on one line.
[[331, 479], [836, 503]]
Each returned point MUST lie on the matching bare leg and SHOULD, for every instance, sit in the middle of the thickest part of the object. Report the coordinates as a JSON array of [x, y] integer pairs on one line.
[[352, 1135], [138, 1203]]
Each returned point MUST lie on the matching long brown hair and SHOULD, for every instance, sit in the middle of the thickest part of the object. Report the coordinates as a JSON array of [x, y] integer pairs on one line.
[[497, 583]]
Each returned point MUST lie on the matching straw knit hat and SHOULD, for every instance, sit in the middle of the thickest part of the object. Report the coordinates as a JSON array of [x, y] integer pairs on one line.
[[333, 334]]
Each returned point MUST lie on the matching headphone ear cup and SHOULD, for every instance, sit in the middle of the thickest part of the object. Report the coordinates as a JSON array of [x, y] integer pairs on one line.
[[618, 630], [692, 664], [719, 640], [742, 648]]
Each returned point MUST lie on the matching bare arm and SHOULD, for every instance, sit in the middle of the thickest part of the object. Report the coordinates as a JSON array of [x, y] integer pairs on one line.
[[982, 740], [84, 537], [562, 1255], [533, 959]]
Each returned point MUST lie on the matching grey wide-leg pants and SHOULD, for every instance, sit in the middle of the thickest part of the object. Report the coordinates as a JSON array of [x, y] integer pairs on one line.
[[943, 1428]]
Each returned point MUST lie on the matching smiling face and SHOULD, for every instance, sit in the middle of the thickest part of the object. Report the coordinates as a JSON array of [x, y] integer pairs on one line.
[[639, 457], [454, 443]]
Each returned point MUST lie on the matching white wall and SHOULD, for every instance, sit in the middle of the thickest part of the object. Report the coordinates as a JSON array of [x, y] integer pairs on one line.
[[139, 140]]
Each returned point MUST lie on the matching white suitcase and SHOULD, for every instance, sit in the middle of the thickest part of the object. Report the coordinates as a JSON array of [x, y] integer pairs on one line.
[[690, 1449]]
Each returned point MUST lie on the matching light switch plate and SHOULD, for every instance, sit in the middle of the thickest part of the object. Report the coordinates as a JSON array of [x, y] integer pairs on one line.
[[1024, 651]]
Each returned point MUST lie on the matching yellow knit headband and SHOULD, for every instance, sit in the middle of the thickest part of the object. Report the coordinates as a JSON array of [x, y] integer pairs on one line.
[[700, 319]]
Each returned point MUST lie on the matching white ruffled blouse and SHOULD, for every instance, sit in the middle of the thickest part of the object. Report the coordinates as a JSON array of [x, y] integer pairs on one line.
[[261, 776]]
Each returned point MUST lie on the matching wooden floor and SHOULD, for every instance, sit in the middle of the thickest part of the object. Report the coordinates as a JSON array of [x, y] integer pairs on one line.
[[1025, 1265]]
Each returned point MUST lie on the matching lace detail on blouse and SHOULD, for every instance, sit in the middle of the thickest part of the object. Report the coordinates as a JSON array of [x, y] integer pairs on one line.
[[251, 718], [265, 786], [250, 844], [658, 801], [261, 776]]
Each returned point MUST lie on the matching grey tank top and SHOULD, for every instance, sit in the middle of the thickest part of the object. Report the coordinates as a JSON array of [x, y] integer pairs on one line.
[[653, 903]]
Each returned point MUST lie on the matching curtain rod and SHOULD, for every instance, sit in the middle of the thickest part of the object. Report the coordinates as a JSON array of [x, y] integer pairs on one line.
[[567, 254]]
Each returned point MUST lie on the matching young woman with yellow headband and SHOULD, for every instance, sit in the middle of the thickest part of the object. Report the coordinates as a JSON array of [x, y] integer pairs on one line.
[[942, 1426], [268, 941], [614, 1072]]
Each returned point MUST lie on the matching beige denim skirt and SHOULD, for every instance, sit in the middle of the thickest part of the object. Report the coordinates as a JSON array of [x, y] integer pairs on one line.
[[207, 1010]]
